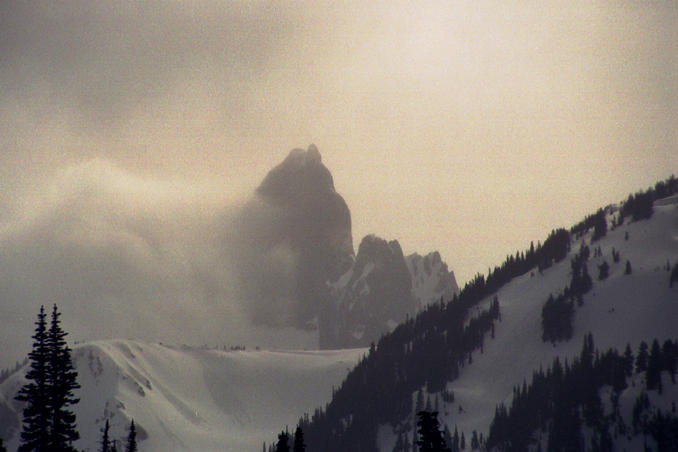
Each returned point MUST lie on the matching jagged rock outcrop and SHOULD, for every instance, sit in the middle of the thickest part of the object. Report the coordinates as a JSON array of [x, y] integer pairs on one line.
[[371, 298], [296, 265], [295, 236], [431, 279]]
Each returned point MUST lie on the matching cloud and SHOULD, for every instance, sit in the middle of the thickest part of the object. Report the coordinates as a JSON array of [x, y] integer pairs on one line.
[[128, 256], [467, 128], [107, 58]]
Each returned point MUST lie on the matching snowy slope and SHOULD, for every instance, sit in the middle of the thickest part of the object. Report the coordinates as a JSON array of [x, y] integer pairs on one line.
[[619, 310], [193, 399]]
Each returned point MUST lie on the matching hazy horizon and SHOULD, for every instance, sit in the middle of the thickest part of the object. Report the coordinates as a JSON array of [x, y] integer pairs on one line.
[[130, 130]]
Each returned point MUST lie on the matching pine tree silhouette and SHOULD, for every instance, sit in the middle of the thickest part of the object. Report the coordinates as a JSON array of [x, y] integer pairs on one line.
[[674, 275], [132, 438], [642, 357], [283, 444], [599, 225], [61, 381], [603, 270], [299, 445], [430, 435], [105, 441], [36, 420], [654, 367]]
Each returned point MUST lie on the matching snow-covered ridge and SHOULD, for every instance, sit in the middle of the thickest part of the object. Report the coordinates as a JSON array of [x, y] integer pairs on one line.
[[619, 310], [187, 399]]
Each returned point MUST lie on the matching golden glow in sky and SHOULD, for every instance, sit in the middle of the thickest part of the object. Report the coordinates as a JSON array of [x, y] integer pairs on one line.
[[466, 127]]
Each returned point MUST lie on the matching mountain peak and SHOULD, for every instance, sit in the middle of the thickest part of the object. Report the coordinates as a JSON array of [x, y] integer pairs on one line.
[[302, 171]]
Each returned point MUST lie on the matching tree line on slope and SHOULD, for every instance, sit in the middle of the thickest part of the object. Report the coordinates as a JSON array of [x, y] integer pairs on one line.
[[430, 348], [283, 444], [427, 350], [553, 409], [49, 424], [638, 206], [430, 437], [558, 312]]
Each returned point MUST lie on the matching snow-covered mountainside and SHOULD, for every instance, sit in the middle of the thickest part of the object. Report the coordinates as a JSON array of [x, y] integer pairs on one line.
[[618, 310], [464, 357], [185, 399], [431, 279]]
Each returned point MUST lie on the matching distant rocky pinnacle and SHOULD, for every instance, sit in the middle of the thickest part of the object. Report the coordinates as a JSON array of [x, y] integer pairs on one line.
[[309, 220], [371, 298], [298, 230]]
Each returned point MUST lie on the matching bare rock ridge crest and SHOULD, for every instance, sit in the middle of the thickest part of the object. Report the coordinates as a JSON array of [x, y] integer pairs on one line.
[[301, 228]]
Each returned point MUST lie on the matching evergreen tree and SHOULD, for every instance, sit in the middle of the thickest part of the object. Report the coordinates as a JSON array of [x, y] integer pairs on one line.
[[299, 445], [475, 444], [599, 225], [674, 275], [35, 393], [654, 367], [556, 319], [430, 435], [61, 381], [670, 358], [628, 361], [641, 358], [132, 438], [105, 441], [603, 271], [587, 283], [283, 444], [627, 270]]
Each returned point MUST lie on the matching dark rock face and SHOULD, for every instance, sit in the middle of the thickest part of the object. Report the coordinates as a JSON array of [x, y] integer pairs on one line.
[[298, 237], [371, 299], [296, 266]]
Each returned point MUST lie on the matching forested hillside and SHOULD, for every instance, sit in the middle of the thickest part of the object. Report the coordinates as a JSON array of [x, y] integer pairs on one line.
[[430, 361]]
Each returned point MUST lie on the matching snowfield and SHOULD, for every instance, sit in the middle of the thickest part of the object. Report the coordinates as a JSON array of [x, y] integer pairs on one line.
[[185, 399], [619, 310]]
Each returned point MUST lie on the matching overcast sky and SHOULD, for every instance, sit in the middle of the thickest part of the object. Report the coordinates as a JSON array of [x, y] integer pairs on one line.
[[466, 127]]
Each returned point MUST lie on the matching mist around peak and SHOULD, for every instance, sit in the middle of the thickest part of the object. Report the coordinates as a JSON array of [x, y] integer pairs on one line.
[[295, 265], [130, 255], [293, 236]]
